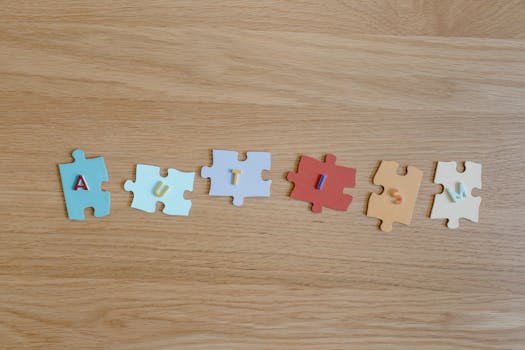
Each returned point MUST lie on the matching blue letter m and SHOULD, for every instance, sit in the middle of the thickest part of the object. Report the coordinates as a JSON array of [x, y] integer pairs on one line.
[[455, 196]]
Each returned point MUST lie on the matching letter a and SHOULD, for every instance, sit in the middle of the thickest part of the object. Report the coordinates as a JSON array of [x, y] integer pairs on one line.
[[459, 195], [81, 183]]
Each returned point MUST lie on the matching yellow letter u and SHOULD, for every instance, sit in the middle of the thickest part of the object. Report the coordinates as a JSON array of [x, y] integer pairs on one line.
[[157, 188]]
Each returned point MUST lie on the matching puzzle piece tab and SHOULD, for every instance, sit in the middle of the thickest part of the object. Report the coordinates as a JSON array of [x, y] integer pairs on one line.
[[456, 201], [81, 183], [150, 188], [238, 179], [322, 183], [397, 201]]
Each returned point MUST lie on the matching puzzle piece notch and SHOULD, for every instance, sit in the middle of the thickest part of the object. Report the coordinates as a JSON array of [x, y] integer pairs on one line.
[[238, 179], [322, 183], [146, 192], [453, 203], [397, 201], [93, 172]]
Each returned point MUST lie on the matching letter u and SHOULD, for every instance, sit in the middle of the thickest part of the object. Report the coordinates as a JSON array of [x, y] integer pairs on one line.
[[157, 189]]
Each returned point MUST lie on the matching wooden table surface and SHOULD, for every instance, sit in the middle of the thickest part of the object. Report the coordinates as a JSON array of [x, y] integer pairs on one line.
[[163, 82]]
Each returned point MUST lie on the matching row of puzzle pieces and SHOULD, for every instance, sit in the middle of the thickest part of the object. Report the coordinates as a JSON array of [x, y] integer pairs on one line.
[[320, 183]]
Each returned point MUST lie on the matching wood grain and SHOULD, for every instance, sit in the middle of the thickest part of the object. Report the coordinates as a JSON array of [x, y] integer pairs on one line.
[[164, 82]]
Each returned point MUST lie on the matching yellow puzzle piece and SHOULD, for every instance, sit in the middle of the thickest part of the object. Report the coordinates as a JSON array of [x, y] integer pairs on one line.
[[397, 201]]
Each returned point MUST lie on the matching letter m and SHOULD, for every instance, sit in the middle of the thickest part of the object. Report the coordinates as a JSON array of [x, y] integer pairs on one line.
[[456, 196]]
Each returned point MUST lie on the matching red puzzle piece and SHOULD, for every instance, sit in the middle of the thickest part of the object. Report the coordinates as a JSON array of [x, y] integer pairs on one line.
[[331, 180]]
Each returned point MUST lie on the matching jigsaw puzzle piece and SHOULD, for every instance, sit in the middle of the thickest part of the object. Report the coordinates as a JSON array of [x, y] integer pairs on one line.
[[456, 200], [174, 202], [254, 186], [238, 179], [150, 188], [81, 183], [147, 177], [322, 183], [397, 201]]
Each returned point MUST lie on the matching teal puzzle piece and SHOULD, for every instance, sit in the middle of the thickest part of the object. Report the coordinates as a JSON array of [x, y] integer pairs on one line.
[[89, 194], [150, 188]]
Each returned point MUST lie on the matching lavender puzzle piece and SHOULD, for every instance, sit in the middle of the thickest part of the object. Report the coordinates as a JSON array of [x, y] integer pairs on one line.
[[238, 179]]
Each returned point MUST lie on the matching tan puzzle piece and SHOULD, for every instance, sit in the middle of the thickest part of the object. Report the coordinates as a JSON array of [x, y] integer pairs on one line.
[[383, 206]]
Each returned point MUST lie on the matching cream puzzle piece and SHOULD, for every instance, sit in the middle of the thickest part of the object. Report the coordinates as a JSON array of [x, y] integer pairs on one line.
[[456, 200]]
